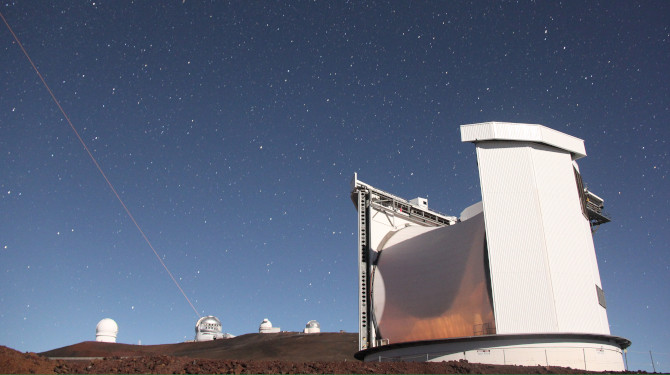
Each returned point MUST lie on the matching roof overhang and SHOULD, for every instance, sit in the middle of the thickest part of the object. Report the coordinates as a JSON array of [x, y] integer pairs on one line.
[[507, 131]]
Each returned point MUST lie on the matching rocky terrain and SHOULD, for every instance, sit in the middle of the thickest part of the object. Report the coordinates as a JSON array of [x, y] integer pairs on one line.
[[284, 353]]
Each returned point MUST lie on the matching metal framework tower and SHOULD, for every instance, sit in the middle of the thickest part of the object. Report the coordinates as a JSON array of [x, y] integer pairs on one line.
[[394, 212]]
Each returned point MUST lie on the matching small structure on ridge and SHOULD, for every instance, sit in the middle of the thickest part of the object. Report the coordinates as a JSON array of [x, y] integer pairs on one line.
[[209, 328], [266, 327], [106, 330], [312, 327]]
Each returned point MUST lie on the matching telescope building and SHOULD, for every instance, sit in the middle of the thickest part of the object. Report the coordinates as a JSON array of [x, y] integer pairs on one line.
[[512, 280]]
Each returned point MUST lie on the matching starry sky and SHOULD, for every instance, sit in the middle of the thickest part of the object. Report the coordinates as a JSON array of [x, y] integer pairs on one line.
[[231, 130]]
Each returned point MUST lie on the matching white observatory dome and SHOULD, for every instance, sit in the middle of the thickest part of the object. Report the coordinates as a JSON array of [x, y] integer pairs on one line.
[[266, 327], [106, 330], [312, 327], [208, 328]]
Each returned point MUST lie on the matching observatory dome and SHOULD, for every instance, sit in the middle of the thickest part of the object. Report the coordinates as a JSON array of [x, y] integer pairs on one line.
[[265, 324], [106, 330], [312, 327], [208, 328], [266, 327]]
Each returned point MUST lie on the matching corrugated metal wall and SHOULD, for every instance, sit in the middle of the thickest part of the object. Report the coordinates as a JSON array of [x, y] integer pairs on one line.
[[521, 286], [543, 269], [569, 243]]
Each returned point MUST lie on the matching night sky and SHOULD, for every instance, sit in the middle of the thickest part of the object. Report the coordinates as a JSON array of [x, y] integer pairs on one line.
[[231, 130]]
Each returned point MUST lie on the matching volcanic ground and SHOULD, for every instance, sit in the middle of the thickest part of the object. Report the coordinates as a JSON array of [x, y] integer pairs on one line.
[[281, 353]]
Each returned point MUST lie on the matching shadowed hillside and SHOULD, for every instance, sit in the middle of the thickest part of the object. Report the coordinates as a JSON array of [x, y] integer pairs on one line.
[[287, 346]]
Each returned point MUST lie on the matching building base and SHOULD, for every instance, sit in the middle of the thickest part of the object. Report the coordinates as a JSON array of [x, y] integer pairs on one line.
[[589, 352]]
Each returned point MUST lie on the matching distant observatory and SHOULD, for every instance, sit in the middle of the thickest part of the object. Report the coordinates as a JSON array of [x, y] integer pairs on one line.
[[513, 280], [209, 328], [266, 327], [312, 327], [106, 330]]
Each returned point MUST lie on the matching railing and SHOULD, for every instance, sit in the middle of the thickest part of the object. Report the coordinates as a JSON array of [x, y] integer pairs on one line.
[[484, 329]]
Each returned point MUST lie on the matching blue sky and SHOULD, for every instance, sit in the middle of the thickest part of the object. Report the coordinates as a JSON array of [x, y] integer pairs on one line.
[[231, 130]]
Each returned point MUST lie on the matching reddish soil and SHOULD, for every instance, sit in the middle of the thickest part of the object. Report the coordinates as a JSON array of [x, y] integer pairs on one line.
[[255, 346], [285, 353], [13, 362]]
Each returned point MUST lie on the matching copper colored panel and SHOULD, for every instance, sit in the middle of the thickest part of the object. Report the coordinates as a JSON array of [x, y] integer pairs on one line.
[[431, 283]]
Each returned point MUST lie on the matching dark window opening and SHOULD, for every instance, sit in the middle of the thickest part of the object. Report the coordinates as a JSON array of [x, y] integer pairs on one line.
[[601, 297], [581, 192]]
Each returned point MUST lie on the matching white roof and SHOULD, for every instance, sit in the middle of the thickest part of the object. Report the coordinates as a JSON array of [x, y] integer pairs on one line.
[[106, 327], [507, 131], [210, 319]]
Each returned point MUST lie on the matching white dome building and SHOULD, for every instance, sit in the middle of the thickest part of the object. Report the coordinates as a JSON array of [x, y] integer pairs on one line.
[[106, 330], [312, 327], [266, 327], [208, 328]]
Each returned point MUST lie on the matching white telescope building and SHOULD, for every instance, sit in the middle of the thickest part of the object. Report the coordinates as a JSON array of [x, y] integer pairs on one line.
[[106, 330], [312, 327], [513, 280], [266, 327], [209, 328]]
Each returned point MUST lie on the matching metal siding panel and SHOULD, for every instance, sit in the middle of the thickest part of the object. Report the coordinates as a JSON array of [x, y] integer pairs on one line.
[[563, 141], [474, 132], [521, 287], [568, 242], [489, 131], [591, 255], [518, 132]]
